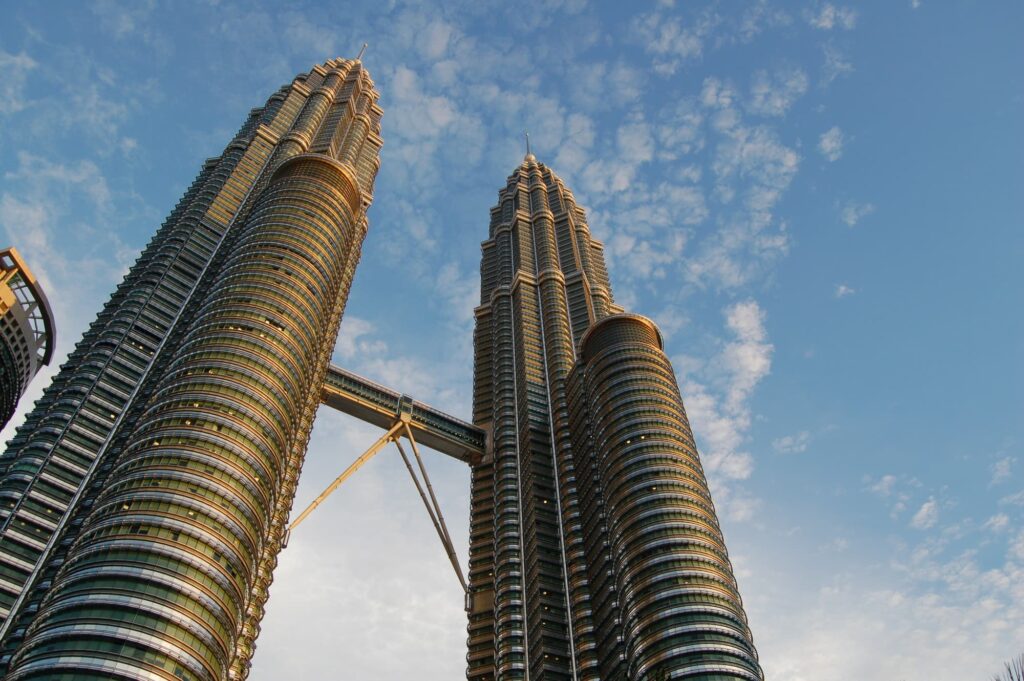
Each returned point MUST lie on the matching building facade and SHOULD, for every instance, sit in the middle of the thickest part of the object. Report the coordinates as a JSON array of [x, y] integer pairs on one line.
[[144, 500], [26, 330], [595, 550]]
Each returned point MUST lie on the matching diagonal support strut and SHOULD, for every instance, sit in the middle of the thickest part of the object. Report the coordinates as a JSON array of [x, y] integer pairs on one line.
[[356, 465], [395, 434]]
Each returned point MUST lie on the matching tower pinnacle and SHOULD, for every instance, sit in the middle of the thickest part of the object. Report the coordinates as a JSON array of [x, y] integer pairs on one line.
[[529, 154]]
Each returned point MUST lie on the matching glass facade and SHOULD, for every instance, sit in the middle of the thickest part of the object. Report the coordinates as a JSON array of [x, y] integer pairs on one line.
[[144, 501], [26, 330], [595, 551]]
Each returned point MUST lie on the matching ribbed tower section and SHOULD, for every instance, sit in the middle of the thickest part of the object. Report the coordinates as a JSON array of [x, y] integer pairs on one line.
[[595, 551], [146, 496], [666, 602]]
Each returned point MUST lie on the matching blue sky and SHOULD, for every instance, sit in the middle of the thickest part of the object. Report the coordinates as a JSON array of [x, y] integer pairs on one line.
[[820, 204]]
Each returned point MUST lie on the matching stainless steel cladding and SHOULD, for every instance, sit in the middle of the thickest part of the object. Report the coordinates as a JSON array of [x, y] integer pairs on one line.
[[150, 488], [595, 552]]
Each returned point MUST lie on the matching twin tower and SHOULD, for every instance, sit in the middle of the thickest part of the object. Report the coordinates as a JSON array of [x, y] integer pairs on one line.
[[145, 499]]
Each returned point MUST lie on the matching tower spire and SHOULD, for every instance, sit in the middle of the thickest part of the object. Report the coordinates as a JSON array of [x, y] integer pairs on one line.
[[529, 154], [362, 50]]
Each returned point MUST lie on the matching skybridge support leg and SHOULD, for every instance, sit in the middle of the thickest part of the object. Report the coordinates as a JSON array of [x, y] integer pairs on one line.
[[446, 538], [395, 433], [434, 513], [356, 465]]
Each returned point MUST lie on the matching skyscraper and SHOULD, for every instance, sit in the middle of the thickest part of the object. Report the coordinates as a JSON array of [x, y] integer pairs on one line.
[[144, 500], [595, 550], [26, 330]]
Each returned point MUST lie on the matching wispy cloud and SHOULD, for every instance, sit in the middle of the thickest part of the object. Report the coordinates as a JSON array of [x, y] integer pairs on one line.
[[718, 393], [852, 212], [133, 20], [828, 17], [835, 64], [792, 444], [355, 340], [830, 144], [752, 168], [1002, 469], [63, 217], [911, 604], [926, 516], [772, 94], [673, 40], [1016, 499], [997, 523], [843, 290], [896, 491], [14, 70]]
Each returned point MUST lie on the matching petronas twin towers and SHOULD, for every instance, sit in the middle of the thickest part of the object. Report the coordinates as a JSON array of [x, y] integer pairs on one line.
[[145, 499]]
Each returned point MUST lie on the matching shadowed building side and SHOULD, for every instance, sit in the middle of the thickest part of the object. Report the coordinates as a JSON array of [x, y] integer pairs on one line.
[[543, 283], [595, 551]]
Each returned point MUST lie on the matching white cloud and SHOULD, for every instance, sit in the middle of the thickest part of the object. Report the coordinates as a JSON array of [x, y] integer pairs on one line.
[[926, 516], [44, 175], [636, 142], [842, 290], [853, 212], [64, 219], [304, 35], [758, 16], [671, 39], [884, 485], [792, 444], [592, 80], [997, 523], [830, 16], [1017, 546], [830, 144], [748, 358], [1002, 469], [133, 20], [681, 132], [773, 94], [1016, 499], [752, 169], [895, 490], [355, 340], [757, 156], [717, 94], [389, 574], [14, 70], [917, 613], [915, 4], [836, 64], [718, 404], [671, 320], [122, 19]]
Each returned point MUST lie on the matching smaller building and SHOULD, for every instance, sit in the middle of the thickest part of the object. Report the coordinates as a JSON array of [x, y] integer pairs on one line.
[[26, 330]]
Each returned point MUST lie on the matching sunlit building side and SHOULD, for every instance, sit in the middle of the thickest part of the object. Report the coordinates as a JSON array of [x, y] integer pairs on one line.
[[26, 330], [143, 502]]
